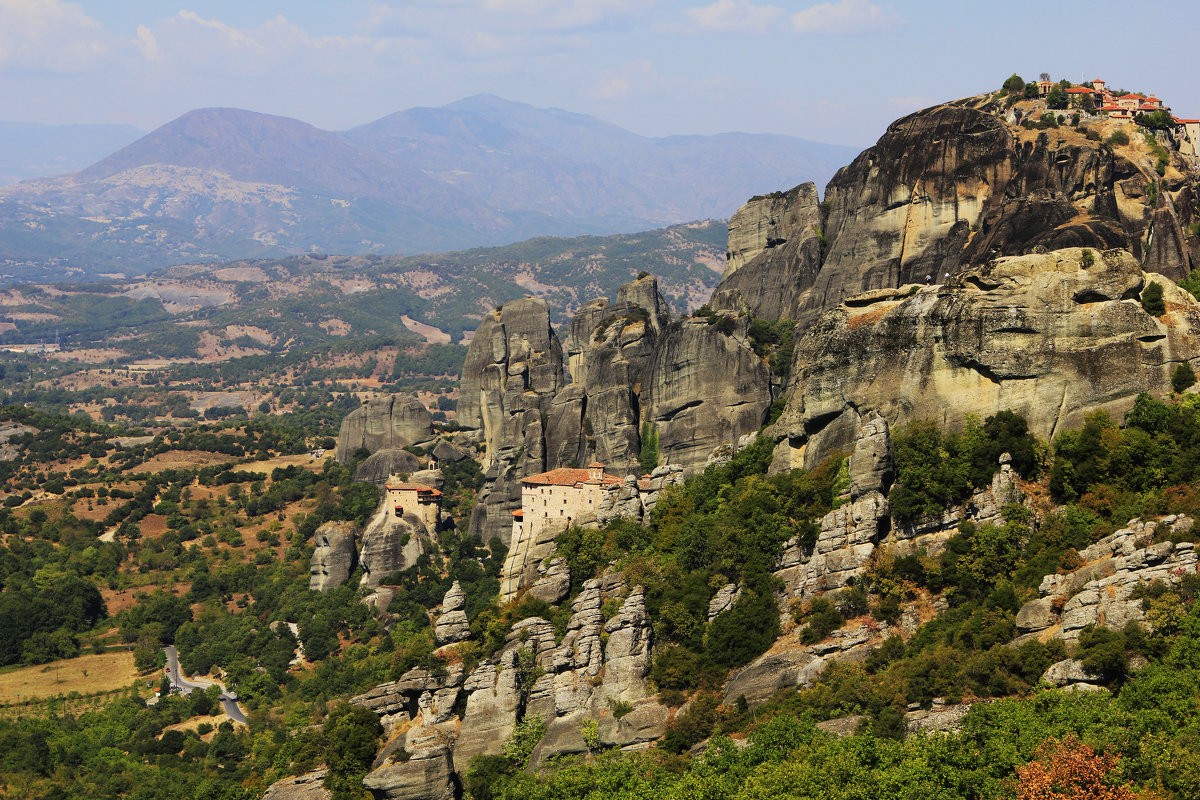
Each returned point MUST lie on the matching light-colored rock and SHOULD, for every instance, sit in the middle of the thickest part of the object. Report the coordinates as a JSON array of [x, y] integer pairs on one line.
[[391, 544], [334, 557], [1067, 672], [427, 775], [1041, 335], [452, 625], [383, 463], [1100, 592], [309, 786], [554, 581], [723, 600]]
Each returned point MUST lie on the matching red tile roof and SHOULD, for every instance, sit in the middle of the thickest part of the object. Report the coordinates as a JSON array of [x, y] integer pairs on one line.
[[565, 476], [1188, 121], [1132, 97], [1080, 90], [419, 488]]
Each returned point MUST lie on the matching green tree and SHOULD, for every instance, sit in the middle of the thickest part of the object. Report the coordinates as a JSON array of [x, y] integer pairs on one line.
[[1152, 299], [1183, 377]]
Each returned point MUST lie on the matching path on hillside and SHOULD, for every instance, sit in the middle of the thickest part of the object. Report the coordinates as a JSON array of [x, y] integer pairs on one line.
[[228, 698]]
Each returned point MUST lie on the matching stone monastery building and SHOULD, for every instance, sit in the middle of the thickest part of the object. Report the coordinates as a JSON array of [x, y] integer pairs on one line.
[[558, 499], [417, 499]]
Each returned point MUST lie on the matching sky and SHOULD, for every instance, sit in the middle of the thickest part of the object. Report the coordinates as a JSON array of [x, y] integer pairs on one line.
[[836, 71]]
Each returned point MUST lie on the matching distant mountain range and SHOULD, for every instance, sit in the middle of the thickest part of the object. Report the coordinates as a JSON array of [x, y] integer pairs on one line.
[[219, 184]]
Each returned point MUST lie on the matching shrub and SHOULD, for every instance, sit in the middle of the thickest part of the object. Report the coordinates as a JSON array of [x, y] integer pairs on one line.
[[1183, 377], [1118, 137], [1014, 84], [1152, 299], [1087, 259]]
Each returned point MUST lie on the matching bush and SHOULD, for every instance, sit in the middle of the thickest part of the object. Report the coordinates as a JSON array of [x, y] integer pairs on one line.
[[1152, 299], [1014, 84], [1118, 137], [1183, 377]]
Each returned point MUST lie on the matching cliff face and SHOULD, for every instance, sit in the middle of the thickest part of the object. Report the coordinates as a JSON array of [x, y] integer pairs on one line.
[[392, 422], [952, 186], [1048, 336], [513, 369], [774, 254], [609, 350]]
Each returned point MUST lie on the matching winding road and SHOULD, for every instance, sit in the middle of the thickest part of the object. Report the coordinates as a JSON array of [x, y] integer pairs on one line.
[[228, 698]]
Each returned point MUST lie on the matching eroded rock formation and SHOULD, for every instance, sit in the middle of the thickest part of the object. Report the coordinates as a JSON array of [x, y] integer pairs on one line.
[[946, 188], [393, 421], [1049, 336], [334, 558], [513, 369], [1101, 591]]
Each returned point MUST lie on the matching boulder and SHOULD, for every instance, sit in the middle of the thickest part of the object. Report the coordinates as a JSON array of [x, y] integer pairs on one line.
[[452, 625], [554, 581], [309, 786], [1069, 671], [377, 467], [427, 775], [334, 557], [391, 421]]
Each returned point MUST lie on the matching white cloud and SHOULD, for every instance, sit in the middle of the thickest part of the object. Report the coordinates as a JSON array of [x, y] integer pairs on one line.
[[633, 79], [147, 43], [843, 17], [735, 16], [50, 36]]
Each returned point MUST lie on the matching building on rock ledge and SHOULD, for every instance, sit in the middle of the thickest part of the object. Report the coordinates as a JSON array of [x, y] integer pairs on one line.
[[551, 502], [414, 498]]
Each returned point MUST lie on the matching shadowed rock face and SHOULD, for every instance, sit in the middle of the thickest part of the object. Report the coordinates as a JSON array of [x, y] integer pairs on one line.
[[944, 188], [513, 369], [609, 350], [707, 389], [377, 467], [396, 421], [1046, 336], [334, 557]]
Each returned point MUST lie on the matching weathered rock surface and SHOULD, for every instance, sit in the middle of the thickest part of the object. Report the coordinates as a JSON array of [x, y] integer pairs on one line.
[[707, 390], [376, 467], [394, 421], [1046, 335], [946, 188], [391, 543], [790, 664], [554, 581], [723, 600], [609, 349], [773, 255], [452, 625], [427, 775], [309, 786], [334, 558], [634, 498], [512, 371], [1068, 672], [851, 533], [1100, 592]]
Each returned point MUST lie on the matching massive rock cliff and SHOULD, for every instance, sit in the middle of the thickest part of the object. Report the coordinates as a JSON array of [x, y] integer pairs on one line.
[[393, 421], [1049, 336], [513, 369], [773, 255], [949, 187]]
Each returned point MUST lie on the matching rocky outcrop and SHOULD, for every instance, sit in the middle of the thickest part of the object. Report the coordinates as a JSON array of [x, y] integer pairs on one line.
[[609, 350], [334, 558], [949, 187], [851, 534], [1049, 336], [452, 625], [773, 255], [382, 464], [554, 581], [635, 498], [1101, 591], [309, 786], [391, 544], [392, 421], [512, 371], [707, 389], [427, 775]]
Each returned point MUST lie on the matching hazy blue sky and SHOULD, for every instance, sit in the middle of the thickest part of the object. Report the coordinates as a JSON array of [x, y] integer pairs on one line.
[[834, 71]]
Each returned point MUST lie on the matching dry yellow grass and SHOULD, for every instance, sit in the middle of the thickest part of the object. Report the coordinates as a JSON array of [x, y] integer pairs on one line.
[[85, 674]]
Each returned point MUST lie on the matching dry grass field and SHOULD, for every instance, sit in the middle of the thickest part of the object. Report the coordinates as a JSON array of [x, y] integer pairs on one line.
[[85, 674]]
